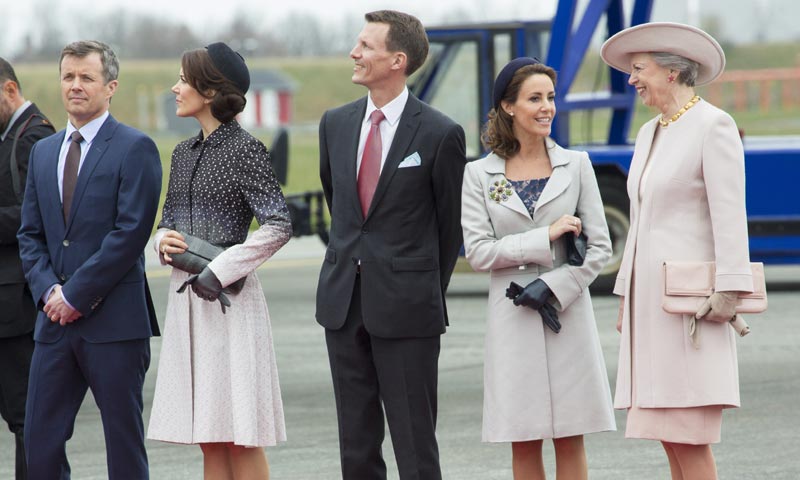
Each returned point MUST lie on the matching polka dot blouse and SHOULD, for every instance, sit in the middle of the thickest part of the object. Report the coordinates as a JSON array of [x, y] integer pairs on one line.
[[217, 186]]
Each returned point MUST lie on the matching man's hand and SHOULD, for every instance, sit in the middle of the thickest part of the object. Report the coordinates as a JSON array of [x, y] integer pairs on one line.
[[57, 309]]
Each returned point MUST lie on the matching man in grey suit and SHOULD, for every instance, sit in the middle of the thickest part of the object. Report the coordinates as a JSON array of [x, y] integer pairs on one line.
[[21, 125], [391, 168]]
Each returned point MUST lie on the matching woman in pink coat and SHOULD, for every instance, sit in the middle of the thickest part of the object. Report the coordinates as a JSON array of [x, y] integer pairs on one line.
[[686, 188]]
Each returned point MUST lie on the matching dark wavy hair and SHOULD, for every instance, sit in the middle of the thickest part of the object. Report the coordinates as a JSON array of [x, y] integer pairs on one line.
[[199, 71], [498, 133]]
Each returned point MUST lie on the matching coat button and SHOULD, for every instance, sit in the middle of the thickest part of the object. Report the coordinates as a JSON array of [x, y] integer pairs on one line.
[[62, 277], [65, 243], [364, 231]]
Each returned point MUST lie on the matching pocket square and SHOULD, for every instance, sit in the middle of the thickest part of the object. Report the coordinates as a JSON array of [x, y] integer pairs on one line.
[[412, 160]]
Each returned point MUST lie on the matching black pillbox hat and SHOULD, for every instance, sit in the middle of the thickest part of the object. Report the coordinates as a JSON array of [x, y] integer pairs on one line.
[[230, 64]]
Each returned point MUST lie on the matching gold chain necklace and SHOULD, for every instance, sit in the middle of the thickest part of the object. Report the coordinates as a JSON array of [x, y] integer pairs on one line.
[[690, 104]]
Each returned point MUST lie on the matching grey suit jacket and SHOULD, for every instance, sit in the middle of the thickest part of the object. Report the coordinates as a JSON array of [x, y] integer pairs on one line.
[[409, 242]]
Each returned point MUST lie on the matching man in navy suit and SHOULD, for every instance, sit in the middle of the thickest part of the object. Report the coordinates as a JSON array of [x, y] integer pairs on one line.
[[90, 203], [391, 168]]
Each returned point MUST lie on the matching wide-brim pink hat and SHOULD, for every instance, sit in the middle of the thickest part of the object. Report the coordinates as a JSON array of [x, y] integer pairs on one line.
[[667, 37]]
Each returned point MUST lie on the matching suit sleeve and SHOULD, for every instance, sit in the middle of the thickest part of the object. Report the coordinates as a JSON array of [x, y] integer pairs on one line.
[[723, 173], [324, 163], [568, 282], [484, 251], [137, 204], [33, 250], [11, 215], [448, 172]]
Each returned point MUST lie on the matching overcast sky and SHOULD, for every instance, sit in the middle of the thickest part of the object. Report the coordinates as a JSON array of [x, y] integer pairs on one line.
[[742, 20]]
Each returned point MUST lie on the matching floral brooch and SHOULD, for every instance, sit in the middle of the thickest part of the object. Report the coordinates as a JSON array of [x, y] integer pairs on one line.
[[500, 190]]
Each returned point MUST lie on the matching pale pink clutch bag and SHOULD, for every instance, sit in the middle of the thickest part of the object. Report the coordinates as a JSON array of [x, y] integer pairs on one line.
[[688, 284]]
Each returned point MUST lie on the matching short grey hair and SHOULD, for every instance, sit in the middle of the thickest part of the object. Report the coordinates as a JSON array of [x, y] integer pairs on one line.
[[83, 48], [688, 68]]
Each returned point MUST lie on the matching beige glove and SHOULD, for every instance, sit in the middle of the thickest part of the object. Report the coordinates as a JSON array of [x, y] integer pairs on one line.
[[719, 307]]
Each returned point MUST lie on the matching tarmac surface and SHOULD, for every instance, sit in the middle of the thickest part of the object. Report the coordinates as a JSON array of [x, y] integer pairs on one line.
[[761, 440]]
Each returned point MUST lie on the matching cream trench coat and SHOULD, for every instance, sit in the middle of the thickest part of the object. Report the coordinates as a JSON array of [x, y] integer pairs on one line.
[[692, 208], [539, 384]]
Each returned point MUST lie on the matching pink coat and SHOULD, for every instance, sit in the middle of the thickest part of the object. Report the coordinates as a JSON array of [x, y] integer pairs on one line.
[[692, 208]]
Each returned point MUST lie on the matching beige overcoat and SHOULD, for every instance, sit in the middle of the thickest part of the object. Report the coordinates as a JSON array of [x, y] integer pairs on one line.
[[692, 207], [539, 384]]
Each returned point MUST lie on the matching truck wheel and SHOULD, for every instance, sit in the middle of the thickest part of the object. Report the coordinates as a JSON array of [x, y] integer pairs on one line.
[[616, 206]]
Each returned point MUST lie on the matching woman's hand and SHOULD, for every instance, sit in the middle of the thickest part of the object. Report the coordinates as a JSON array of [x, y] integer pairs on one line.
[[567, 223], [719, 307], [621, 312], [171, 243]]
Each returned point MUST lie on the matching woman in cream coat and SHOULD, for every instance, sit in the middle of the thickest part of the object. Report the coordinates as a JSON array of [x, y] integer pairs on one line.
[[686, 185], [537, 384]]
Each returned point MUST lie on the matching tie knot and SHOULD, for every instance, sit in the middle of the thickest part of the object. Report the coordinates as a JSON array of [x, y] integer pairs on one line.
[[77, 137], [376, 117]]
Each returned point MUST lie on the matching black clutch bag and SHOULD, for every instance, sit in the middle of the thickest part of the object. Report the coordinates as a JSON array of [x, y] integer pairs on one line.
[[576, 248], [198, 256]]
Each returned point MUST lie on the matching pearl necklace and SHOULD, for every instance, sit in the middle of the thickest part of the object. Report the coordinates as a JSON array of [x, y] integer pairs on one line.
[[690, 104]]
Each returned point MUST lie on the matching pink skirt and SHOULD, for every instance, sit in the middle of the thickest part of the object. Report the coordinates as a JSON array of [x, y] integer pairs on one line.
[[688, 425], [691, 425]]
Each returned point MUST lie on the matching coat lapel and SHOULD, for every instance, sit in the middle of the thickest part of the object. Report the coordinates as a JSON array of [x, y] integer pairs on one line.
[[640, 156], [50, 157], [495, 166], [353, 133], [560, 179], [406, 130], [97, 150]]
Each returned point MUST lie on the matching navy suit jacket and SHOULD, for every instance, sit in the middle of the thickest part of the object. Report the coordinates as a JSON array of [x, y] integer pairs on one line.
[[97, 256]]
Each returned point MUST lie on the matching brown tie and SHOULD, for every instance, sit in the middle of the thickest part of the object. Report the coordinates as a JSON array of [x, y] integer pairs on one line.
[[71, 171], [370, 169]]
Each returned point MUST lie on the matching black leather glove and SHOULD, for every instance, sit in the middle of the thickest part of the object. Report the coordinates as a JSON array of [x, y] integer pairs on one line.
[[535, 296], [207, 286], [550, 317], [576, 248]]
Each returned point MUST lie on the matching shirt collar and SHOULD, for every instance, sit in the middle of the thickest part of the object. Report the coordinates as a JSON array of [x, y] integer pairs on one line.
[[392, 110], [14, 118], [88, 131]]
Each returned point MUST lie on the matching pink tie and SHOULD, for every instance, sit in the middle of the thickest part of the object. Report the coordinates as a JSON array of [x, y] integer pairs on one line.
[[370, 169]]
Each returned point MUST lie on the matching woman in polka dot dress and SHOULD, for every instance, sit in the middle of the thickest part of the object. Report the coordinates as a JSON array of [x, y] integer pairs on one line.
[[217, 382]]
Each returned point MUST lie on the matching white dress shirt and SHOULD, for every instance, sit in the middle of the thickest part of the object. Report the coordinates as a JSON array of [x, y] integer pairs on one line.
[[392, 111], [88, 132]]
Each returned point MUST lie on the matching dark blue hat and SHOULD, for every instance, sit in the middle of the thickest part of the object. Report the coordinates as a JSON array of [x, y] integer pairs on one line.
[[230, 64], [506, 74]]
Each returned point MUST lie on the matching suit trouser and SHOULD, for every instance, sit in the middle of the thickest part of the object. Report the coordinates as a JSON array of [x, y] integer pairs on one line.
[[15, 363], [61, 372], [401, 373]]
